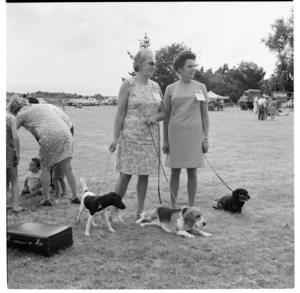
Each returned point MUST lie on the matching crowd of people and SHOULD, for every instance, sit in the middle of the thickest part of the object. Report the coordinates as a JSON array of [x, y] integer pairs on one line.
[[136, 139]]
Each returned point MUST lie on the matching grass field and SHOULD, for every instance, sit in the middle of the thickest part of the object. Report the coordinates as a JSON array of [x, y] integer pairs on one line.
[[251, 250]]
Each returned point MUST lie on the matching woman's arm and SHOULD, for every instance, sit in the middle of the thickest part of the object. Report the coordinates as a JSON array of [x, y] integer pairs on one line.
[[168, 108], [121, 113], [205, 121], [15, 137]]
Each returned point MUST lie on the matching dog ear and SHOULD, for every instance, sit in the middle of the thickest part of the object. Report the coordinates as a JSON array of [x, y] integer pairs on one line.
[[189, 219], [183, 211], [235, 192]]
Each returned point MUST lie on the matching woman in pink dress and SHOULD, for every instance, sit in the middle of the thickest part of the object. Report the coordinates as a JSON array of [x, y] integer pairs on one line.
[[186, 126]]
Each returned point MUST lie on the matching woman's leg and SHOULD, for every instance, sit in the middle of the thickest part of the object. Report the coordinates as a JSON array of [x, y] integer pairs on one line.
[[141, 189], [174, 185], [67, 167], [56, 187], [120, 188], [192, 185], [12, 175], [45, 180], [63, 186]]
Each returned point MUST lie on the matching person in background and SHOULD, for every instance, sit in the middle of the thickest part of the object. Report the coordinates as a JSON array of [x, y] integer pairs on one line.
[[12, 160], [266, 108], [55, 141], [273, 108], [63, 103], [58, 180], [255, 105], [140, 108], [186, 126], [32, 183], [261, 109]]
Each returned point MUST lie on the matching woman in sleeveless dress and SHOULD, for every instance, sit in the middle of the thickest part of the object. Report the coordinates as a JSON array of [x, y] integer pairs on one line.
[[55, 141], [186, 126], [140, 108]]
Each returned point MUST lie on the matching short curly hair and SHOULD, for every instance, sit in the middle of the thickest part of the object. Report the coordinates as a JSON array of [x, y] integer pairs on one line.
[[37, 161], [140, 57], [181, 57], [15, 105]]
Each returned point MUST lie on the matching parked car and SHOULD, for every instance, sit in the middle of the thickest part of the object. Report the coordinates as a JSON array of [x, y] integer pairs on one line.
[[82, 102], [111, 101], [247, 99], [42, 101], [93, 102], [70, 102]]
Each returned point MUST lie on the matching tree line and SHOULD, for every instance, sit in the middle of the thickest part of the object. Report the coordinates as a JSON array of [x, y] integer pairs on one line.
[[233, 82]]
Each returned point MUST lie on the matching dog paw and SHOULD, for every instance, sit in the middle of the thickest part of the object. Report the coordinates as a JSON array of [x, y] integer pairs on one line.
[[190, 236], [143, 225], [87, 234], [207, 235], [112, 230]]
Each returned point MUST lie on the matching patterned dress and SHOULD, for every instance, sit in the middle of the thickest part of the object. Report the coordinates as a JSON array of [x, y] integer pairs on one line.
[[11, 159], [55, 138], [136, 154]]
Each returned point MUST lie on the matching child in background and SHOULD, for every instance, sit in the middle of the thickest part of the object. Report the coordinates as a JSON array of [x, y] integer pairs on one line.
[[58, 180], [32, 183]]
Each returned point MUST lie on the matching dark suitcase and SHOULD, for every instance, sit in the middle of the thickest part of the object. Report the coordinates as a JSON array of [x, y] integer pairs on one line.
[[39, 238]]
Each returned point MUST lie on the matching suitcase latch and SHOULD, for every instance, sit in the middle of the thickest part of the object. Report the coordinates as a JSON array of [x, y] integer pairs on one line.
[[38, 242]]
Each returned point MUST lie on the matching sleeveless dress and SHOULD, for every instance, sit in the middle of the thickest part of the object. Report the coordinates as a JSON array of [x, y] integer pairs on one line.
[[273, 107], [11, 159], [136, 154], [185, 130], [55, 138]]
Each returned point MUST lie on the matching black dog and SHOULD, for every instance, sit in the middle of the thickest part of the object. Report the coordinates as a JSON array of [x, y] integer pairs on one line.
[[95, 204], [233, 203]]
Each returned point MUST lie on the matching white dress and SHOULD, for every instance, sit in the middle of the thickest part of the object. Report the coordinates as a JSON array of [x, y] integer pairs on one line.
[[255, 105]]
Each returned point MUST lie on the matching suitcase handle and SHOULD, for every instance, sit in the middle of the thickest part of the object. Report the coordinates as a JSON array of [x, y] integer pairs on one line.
[[26, 242]]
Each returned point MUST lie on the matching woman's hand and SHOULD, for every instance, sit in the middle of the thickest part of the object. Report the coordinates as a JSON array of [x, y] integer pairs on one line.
[[205, 145], [165, 147], [151, 120], [113, 146]]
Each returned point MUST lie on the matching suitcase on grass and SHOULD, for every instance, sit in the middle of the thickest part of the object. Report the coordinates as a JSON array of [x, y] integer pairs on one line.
[[39, 238]]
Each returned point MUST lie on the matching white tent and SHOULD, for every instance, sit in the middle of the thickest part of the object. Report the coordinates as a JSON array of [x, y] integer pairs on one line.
[[212, 96]]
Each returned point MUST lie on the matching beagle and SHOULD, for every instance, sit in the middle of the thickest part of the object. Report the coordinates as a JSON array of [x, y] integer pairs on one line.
[[177, 221], [95, 204], [233, 203]]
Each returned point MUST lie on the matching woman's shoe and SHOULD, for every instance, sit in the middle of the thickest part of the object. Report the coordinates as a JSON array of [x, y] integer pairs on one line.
[[46, 203], [75, 200]]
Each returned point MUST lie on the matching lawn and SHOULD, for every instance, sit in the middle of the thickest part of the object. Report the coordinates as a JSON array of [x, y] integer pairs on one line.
[[251, 250]]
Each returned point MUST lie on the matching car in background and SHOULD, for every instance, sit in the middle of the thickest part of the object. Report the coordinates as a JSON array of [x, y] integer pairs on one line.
[[41, 101], [82, 102], [111, 101], [71, 101], [93, 102]]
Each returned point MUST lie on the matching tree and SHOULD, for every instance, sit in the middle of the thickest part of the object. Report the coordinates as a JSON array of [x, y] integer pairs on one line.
[[164, 73], [281, 42], [144, 43]]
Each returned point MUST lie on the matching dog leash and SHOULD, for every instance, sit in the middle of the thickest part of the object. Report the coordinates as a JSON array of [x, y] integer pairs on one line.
[[160, 165], [103, 184], [217, 173]]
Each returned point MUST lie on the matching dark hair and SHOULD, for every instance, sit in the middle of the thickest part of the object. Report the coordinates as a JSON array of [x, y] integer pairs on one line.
[[273, 99], [180, 58], [37, 161]]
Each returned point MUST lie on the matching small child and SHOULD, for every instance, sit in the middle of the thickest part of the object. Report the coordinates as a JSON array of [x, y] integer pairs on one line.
[[32, 183], [58, 180]]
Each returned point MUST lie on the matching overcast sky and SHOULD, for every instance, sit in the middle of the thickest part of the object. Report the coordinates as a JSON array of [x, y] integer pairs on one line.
[[82, 47]]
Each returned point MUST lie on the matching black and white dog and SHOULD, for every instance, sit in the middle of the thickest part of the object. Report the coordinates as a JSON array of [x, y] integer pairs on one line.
[[95, 204], [233, 203]]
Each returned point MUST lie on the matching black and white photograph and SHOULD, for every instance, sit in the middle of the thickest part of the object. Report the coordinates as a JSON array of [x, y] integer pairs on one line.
[[149, 145]]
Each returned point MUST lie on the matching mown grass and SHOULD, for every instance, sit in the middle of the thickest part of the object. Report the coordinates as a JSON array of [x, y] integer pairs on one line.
[[252, 250]]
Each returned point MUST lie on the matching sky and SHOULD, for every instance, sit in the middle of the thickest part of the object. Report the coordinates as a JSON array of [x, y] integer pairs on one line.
[[82, 47]]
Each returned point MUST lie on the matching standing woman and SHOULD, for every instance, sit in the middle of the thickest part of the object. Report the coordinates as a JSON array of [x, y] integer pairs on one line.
[[273, 108], [186, 126], [255, 105], [55, 141], [12, 159], [140, 108]]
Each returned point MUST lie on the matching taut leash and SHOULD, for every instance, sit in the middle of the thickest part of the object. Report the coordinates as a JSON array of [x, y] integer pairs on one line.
[[217, 173], [160, 165], [103, 184]]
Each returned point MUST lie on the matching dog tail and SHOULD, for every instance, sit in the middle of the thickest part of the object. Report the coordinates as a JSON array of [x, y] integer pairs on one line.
[[84, 187]]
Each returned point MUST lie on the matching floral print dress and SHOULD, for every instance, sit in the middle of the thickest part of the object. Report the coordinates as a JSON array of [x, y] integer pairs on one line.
[[136, 154], [54, 136], [11, 156]]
